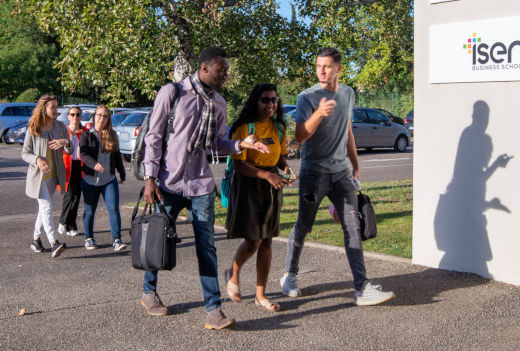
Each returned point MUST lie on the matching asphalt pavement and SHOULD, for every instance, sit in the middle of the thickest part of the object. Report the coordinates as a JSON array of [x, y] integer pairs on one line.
[[89, 300]]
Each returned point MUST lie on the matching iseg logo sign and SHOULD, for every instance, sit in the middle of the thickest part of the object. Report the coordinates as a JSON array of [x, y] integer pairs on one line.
[[475, 51], [492, 56]]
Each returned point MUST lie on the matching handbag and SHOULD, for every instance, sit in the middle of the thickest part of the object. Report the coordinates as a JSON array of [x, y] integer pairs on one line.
[[367, 220], [154, 238]]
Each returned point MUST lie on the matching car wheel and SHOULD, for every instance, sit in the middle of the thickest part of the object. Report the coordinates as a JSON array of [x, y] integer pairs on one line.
[[401, 144], [5, 138]]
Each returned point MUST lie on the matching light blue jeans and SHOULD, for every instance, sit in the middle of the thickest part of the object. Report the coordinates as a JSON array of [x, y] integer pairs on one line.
[[339, 188], [110, 193], [201, 212]]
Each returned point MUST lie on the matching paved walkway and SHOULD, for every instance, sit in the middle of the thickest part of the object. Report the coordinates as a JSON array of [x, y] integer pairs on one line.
[[87, 300]]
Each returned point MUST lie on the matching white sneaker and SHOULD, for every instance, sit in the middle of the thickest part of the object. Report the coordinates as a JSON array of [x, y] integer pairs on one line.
[[72, 232], [372, 295], [61, 229], [289, 284], [118, 245]]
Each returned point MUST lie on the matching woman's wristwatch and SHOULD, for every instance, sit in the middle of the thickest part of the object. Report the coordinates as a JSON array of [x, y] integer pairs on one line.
[[147, 177]]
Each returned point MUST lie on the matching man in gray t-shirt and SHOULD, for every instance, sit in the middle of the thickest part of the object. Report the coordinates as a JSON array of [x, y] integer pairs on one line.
[[326, 149], [323, 124]]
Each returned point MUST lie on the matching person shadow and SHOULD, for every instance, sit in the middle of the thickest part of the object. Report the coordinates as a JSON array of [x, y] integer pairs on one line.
[[460, 223]]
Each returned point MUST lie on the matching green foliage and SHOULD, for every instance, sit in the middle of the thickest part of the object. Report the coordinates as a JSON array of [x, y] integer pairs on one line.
[[375, 36], [396, 102], [30, 95], [75, 100], [26, 55], [123, 48]]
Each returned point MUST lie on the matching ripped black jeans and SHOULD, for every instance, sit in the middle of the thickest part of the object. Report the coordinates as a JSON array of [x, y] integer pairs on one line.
[[339, 188]]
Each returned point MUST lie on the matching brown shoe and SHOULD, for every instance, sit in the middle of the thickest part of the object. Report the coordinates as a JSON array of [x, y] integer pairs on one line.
[[216, 319], [153, 304]]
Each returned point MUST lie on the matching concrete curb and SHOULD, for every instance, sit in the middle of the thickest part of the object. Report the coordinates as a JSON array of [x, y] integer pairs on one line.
[[339, 249]]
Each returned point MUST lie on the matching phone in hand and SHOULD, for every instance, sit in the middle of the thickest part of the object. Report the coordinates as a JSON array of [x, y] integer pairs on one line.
[[289, 175]]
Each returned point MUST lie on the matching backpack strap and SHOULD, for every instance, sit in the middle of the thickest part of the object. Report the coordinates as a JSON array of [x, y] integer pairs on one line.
[[251, 128], [173, 108], [279, 128]]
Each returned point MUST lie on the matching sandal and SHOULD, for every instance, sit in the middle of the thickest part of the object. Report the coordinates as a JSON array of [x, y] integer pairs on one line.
[[268, 305], [232, 289]]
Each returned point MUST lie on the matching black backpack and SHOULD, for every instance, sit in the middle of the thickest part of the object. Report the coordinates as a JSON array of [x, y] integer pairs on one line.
[[137, 167]]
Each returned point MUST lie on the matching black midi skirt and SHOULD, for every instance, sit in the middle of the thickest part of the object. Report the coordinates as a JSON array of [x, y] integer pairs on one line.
[[254, 208]]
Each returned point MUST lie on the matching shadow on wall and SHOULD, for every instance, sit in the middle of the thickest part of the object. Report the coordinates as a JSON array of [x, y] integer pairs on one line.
[[460, 223]]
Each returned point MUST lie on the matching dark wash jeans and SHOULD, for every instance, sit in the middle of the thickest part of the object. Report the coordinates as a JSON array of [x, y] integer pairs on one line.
[[110, 193], [201, 211], [339, 188]]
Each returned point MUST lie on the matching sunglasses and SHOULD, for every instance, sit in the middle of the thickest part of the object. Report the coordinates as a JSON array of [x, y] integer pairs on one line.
[[102, 116], [265, 100], [74, 114]]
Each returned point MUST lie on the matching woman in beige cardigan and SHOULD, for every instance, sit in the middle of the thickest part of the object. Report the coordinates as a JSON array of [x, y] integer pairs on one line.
[[42, 151]]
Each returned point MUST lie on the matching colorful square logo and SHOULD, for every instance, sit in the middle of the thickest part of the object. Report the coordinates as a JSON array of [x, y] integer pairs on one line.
[[471, 42]]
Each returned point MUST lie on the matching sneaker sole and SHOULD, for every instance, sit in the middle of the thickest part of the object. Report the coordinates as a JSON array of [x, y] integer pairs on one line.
[[58, 251], [91, 247], [35, 249], [373, 303], [292, 294], [122, 247], [151, 313], [228, 325]]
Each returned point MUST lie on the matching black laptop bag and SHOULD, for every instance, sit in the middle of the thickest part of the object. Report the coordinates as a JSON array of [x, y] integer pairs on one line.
[[153, 238]]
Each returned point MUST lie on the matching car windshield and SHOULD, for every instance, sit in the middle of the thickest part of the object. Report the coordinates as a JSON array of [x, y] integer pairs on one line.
[[85, 116], [119, 117], [385, 112], [133, 119], [289, 109]]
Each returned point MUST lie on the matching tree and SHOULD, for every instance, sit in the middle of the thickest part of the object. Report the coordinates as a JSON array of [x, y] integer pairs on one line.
[[375, 36], [26, 55], [124, 47]]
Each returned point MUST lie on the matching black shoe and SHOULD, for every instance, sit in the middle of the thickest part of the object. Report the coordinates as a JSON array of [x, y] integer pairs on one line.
[[36, 245], [178, 240], [57, 248]]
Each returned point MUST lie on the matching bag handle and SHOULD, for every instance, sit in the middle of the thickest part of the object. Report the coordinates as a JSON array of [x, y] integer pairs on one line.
[[136, 207], [157, 203]]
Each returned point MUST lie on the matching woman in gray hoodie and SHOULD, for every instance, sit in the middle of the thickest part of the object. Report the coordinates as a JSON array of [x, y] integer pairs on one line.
[[42, 151]]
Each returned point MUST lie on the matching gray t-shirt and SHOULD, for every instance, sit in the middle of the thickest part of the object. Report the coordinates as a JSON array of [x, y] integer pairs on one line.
[[326, 150], [100, 179]]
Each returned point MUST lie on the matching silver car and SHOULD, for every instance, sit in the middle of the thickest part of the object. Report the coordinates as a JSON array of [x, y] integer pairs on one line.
[[13, 114], [127, 132], [372, 129]]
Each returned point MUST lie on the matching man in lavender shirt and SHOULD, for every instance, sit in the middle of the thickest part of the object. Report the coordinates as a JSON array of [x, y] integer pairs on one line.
[[181, 176]]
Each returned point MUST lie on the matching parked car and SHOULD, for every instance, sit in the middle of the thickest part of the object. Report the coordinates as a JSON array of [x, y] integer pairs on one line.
[[408, 122], [13, 114], [144, 108], [62, 115], [16, 134], [372, 129], [119, 116], [393, 118], [288, 110], [127, 132]]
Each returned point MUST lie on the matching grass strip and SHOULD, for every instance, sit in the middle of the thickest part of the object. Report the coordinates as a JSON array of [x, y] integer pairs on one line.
[[393, 204]]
